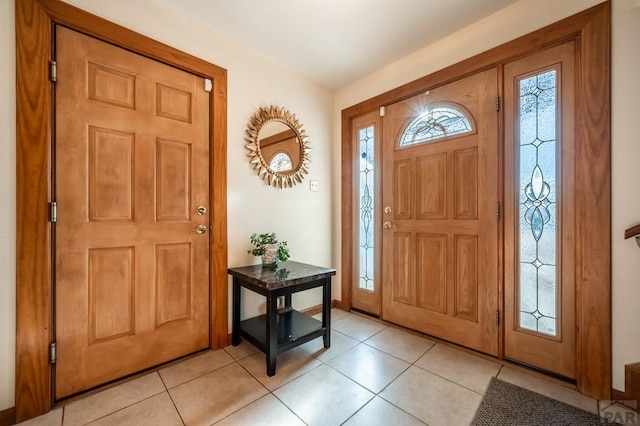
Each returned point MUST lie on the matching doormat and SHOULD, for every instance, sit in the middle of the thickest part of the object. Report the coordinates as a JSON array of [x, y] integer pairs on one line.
[[507, 404]]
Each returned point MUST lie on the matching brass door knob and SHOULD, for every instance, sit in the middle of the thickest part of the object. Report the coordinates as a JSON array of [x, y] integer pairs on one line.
[[388, 225], [201, 229]]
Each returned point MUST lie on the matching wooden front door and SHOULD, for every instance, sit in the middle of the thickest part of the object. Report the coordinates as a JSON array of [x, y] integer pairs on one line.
[[131, 169], [439, 197]]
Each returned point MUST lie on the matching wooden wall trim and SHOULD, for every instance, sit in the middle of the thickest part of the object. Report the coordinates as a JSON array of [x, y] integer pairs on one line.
[[34, 20], [591, 30], [8, 417], [593, 206], [33, 242]]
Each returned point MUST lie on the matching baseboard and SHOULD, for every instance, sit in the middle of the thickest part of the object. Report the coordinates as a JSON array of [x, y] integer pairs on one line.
[[309, 311], [625, 399], [8, 417], [318, 308]]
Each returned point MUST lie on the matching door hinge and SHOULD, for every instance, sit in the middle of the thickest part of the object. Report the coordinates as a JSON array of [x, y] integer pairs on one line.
[[53, 71], [208, 85], [497, 318], [53, 356], [54, 212], [383, 111], [497, 102], [498, 211]]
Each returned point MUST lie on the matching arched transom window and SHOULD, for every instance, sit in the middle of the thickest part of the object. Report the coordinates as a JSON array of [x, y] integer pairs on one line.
[[281, 162], [438, 121]]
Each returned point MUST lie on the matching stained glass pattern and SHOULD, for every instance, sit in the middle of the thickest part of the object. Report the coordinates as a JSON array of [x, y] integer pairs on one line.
[[366, 205], [437, 122], [537, 203], [281, 162]]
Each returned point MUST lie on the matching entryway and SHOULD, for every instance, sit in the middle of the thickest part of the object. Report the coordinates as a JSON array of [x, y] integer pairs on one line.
[[473, 197]]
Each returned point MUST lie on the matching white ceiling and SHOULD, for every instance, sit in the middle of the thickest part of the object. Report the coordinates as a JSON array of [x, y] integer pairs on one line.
[[334, 42]]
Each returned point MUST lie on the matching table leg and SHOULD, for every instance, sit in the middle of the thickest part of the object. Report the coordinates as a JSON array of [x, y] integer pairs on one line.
[[235, 323], [287, 301], [272, 334], [326, 312]]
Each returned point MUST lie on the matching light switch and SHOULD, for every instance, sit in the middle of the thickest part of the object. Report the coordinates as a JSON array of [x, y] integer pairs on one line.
[[313, 185]]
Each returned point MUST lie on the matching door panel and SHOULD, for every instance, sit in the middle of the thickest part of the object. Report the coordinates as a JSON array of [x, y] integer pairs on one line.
[[540, 322], [365, 290], [131, 167], [439, 250]]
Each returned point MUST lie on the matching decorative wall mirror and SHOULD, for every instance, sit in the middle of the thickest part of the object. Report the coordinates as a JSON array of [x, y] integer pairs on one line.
[[278, 146]]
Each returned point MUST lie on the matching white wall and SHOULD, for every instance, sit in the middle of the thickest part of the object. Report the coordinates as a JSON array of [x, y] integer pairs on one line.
[[516, 20], [297, 215], [625, 179], [8, 204]]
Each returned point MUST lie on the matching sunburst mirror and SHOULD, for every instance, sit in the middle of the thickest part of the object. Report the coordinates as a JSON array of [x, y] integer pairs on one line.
[[278, 146]]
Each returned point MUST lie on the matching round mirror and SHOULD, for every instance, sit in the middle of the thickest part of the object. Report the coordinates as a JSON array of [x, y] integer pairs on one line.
[[277, 146]]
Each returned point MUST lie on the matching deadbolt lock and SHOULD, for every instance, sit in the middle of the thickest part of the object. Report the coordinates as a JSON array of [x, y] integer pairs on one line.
[[387, 209], [201, 210]]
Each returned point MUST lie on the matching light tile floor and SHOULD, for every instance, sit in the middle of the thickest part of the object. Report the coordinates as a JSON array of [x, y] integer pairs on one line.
[[373, 374]]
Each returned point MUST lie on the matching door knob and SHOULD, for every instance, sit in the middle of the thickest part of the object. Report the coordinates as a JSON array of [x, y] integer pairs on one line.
[[201, 229], [388, 225]]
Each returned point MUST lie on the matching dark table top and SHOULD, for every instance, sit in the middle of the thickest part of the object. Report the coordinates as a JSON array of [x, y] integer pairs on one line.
[[287, 274]]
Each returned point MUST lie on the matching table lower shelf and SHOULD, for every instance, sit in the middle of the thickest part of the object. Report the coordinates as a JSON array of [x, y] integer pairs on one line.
[[294, 328]]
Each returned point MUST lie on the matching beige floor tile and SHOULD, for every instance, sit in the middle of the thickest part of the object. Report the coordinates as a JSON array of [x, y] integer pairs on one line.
[[339, 343], [550, 389], [209, 398], [369, 367], [336, 314], [379, 412], [399, 343], [266, 411], [155, 411], [289, 365], [323, 397], [106, 402], [618, 413], [52, 418], [432, 399], [357, 327], [243, 350], [463, 368], [191, 368]]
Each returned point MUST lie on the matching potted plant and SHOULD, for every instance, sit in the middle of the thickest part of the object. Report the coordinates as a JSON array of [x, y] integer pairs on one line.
[[271, 250]]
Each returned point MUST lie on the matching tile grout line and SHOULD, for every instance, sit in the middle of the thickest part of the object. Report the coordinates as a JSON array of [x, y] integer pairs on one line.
[[175, 407]]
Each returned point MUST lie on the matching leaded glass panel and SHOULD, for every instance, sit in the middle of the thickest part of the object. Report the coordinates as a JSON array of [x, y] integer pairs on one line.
[[281, 162], [538, 285], [437, 122], [366, 229]]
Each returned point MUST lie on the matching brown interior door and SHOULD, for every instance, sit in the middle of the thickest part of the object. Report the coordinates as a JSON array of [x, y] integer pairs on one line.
[[131, 169], [440, 188], [540, 323]]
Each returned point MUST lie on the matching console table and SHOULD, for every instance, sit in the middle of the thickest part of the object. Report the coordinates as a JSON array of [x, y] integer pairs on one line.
[[280, 330]]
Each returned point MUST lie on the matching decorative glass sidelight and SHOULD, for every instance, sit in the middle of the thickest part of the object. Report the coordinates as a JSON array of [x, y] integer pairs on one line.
[[437, 122], [538, 284], [366, 228]]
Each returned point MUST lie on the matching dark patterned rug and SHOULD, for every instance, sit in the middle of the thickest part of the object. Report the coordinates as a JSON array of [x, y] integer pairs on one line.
[[507, 404]]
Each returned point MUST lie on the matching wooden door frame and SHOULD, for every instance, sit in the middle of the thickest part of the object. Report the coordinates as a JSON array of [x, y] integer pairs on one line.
[[34, 135], [591, 30]]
